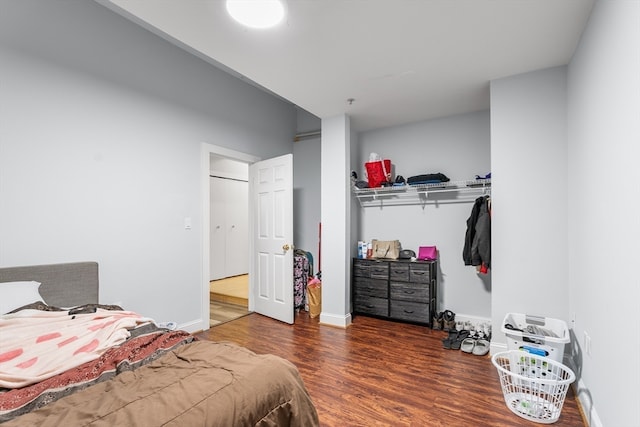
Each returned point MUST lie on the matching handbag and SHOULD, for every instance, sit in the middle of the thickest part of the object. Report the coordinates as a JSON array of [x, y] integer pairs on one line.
[[378, 172], [407, 254], [427, 253], [389, 249]]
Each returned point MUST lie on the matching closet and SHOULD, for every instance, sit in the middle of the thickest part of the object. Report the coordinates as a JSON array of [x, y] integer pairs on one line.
[[229, 240], [419, 215]]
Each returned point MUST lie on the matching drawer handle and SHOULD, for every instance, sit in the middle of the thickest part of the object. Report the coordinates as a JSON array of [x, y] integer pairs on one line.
[[419, 272], [409, 292], [408, 311]]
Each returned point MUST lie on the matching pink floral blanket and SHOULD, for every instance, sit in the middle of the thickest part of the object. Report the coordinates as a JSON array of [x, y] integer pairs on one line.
[[36, 345]]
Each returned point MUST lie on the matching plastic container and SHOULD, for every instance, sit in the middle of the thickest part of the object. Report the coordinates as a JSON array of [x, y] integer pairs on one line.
[[542, 336], [534, 387]]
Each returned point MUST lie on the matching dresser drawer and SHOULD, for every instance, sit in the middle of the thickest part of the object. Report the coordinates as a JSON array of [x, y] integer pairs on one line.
[[420, 273], [398, 271], [379, 270], [414, 292], [370, 268], [398, 290], [361, 267], [411, 311], [370, 288], [372, 305]]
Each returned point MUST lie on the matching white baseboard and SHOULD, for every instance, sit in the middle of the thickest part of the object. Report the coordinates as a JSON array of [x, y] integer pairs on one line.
[[194, 326], [585, 400], [339, 320], [497, 347]]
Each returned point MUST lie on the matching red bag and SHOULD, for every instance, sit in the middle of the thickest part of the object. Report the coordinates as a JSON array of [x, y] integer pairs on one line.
[[378, 172]]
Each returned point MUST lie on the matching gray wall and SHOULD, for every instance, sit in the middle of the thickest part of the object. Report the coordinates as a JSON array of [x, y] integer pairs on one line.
[[604, 230], [306, 186], [100, 139], [459, 147]]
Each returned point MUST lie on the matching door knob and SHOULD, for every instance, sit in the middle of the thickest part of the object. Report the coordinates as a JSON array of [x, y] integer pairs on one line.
[[286, 247]]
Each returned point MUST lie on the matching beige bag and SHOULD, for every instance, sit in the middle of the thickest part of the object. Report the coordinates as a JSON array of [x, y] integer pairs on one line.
[[314, 294], [389, 249]]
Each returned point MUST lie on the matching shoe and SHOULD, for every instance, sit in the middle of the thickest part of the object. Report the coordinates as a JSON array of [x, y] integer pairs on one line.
[[448, 320], [449, 325], [448, 315], [461, 336], [446, 343], [481, 348], [468, 345], [437, 322]]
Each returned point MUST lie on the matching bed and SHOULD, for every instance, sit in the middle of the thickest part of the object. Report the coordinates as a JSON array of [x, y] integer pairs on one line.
[[67, 360]]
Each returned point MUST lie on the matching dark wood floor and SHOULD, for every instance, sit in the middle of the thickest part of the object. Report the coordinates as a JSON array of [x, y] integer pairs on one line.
[[383, 373]]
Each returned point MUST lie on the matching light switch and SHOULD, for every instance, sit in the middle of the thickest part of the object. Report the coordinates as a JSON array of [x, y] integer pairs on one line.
[[187, 223]]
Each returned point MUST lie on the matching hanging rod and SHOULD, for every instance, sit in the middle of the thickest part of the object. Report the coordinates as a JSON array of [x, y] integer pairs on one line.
[[306, 135], [229, 178]]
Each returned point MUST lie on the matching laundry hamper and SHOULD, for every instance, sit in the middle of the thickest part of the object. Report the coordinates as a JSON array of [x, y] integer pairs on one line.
[[539, 335], [534, 386]]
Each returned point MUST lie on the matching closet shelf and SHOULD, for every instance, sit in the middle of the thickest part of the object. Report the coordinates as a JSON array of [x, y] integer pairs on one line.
[[423, 194]]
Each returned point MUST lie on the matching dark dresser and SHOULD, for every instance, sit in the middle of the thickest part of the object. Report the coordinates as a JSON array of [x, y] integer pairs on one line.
[[395, 289]]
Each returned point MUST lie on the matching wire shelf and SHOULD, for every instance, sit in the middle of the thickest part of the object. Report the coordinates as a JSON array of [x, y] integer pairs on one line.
[[423, 194]]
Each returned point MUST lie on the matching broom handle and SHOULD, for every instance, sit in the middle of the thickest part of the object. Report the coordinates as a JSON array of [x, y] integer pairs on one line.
[[319, 247]]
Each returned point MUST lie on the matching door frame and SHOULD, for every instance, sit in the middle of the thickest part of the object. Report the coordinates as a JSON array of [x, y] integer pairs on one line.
[[205, 152]]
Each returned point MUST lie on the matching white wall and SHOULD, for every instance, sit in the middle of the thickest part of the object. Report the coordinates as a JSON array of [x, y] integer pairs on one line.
[[529, 196], [604, 230], [336, 220], [459, 147], [100, 150]]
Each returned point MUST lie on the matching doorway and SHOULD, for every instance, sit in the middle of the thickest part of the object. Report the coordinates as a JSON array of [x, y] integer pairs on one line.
[[229, 299], [229, 239], [270, 228], [227, 165]]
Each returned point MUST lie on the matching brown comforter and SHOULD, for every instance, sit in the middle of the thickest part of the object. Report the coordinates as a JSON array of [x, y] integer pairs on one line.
[[198, 384]]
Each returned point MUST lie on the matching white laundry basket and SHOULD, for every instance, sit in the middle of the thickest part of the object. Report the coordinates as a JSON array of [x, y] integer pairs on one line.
[[534, 387], [539, 335]]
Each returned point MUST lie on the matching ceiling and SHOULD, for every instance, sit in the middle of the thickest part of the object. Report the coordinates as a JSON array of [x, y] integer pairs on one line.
[[400, 61]]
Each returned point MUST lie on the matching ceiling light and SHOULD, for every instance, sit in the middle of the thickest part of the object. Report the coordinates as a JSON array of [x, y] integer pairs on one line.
[[256, 13]]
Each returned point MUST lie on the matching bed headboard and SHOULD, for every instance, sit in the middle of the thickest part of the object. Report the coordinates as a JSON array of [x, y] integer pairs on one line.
[[62, 285]]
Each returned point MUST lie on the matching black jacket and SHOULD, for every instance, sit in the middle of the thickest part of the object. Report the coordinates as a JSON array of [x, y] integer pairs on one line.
[[477, 242]]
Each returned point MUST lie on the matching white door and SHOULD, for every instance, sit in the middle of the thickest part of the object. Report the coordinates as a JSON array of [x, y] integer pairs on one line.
[[229, 227], [218, 239], [237, 223], [271, 266]]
